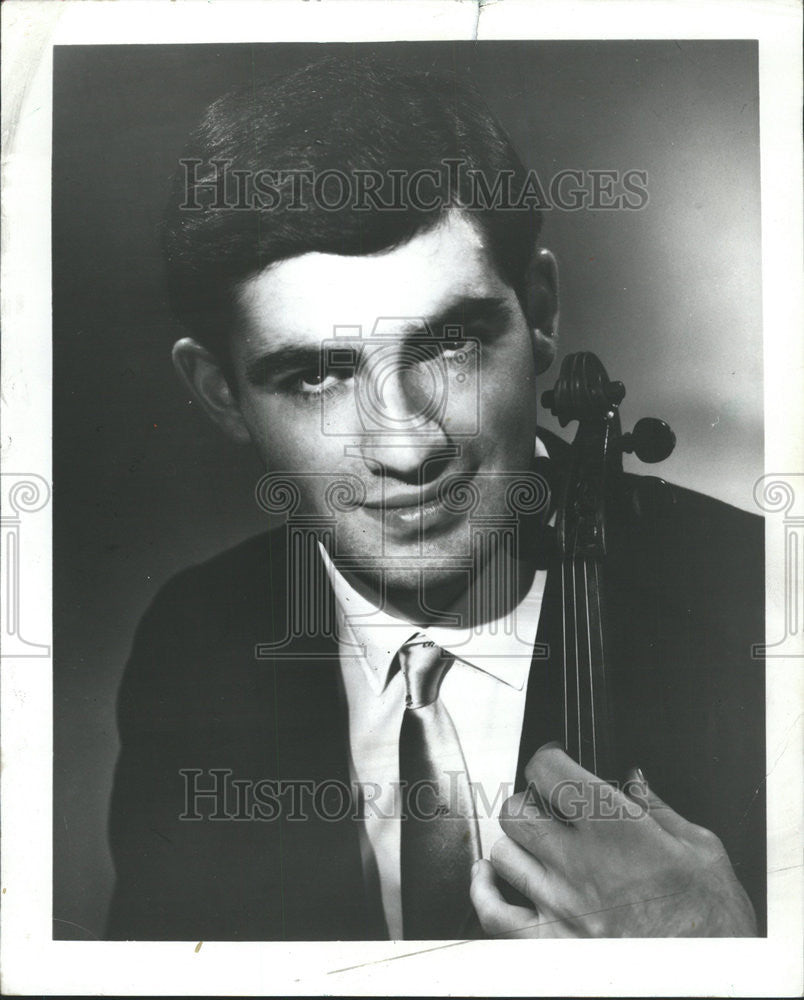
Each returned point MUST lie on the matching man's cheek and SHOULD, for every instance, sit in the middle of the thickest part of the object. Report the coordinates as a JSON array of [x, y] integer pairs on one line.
[[287, 440], [508, 427]]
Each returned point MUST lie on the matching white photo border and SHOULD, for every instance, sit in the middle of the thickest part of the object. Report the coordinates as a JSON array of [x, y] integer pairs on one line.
[[32, 962]]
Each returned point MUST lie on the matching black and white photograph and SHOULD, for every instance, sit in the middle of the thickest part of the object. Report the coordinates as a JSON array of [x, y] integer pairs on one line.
[[414, 506]]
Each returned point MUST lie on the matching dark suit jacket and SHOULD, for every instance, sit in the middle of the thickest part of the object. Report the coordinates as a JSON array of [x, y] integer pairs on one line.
[[685, 589]]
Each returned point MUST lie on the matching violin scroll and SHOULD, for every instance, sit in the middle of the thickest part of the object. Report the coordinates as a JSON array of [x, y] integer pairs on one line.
[[583, 390]]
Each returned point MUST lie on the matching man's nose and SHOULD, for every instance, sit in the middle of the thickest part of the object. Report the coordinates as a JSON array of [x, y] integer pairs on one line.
[[402, 409]]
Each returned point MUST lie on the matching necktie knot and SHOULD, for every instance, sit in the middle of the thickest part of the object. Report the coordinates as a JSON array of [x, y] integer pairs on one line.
[[424, 666]]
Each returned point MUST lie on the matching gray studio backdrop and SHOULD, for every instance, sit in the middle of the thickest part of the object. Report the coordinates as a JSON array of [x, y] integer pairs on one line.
[[668, 296]]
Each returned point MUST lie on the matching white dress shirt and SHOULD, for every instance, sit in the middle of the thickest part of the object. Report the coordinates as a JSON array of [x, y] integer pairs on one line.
[[484, 692]]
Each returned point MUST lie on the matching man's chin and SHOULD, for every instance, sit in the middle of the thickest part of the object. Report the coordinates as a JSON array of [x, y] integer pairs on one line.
[[422, 594], [447, 550], [425, 571]]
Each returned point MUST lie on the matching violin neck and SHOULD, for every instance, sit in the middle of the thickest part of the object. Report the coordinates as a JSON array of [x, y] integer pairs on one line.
[[588, 725], [592, 491]]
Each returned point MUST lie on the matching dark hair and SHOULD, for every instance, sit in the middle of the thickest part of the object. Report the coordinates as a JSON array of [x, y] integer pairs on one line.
[[339, 114]]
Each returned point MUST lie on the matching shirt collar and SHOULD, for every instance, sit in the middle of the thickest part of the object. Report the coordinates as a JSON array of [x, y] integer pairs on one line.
[[502, 648]]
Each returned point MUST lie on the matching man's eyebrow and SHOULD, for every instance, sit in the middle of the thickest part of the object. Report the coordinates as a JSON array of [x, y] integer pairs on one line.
[[463, 311], [274, 362]]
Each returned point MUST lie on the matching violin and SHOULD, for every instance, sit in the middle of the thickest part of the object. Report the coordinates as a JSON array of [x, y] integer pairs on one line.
[[594, 490]]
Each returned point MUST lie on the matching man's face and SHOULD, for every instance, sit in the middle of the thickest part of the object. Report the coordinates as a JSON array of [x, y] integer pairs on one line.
[[434, 378]]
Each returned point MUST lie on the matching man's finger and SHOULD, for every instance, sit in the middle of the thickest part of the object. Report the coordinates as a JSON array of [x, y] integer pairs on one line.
[[497, 917], [570, 792], [550, 765], [577, 796], [531, 824], [543, 886], [667, 818]]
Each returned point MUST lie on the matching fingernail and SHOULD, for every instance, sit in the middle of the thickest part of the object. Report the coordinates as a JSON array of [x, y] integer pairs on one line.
[[553, 745], [639, 775], [475, 866]]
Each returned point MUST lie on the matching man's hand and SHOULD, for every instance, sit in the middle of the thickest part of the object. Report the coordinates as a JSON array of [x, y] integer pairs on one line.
[[596, 862]]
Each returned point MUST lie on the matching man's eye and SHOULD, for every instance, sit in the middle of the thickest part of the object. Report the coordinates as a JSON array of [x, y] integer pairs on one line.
[[314, 383], [457, 349], [453, 346], [437, 349]]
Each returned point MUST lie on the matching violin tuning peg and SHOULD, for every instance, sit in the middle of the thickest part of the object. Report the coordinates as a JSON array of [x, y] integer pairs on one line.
[[549, 403], [615, 393], [651, 498], [651, 440]]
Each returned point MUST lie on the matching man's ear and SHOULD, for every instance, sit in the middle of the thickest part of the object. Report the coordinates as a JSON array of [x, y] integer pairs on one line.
[[202, 374], [541, 306]]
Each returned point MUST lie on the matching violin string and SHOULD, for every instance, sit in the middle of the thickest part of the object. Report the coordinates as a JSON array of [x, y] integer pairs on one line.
[[591, 667], [564, 657], [603, 670], [581, 591], [577, 659]]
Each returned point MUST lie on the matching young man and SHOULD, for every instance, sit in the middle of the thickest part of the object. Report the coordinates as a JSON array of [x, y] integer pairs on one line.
[[321, 729]]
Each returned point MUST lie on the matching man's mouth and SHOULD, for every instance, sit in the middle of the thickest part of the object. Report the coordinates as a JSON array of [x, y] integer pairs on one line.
[[410, 514]]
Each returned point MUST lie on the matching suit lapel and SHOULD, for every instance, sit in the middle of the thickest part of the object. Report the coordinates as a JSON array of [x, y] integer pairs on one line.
[[321, 862], [543, 720]]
